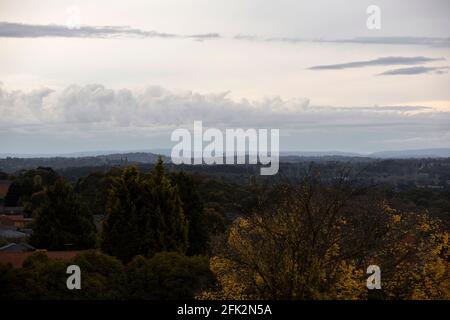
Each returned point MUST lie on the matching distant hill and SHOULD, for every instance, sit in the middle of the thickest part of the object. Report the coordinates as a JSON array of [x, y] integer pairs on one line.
[[13, 164], [418, 153], [91, 159], [81, 154], [395, 154], [321, 154]]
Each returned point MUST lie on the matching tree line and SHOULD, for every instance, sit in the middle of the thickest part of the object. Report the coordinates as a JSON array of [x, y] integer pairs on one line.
[[164, 237]]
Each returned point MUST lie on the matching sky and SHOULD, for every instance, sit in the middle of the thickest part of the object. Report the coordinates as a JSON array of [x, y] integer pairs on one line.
[[136, 70]]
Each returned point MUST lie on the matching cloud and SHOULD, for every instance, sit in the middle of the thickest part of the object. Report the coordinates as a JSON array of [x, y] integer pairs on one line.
[[415, 41], [415, 70], [383, 61], [390, 108], [21, 30], [404, 41], [94, 117], [99, 108]]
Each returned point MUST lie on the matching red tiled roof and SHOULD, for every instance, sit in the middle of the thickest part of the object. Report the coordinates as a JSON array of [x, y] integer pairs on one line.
[[12, 217], [16, 259]]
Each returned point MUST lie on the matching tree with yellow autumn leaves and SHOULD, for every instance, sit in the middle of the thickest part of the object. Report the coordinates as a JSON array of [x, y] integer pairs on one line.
[[316, 240]]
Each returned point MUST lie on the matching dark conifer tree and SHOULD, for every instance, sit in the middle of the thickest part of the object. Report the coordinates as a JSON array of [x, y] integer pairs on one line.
[[167, 220], [120, 229], [62, 221], [144, 216], [198, 233]]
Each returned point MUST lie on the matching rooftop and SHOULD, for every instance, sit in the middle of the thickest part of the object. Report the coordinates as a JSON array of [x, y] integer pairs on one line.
[[16, 247]]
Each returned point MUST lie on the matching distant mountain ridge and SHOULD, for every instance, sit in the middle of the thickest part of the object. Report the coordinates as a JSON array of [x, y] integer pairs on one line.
[[140, 155], [394, 154], [75, 160], [12, 164], [418, 153]]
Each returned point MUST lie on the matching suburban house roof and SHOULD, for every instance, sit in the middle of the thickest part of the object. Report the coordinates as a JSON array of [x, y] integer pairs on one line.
[[12, 234], [16, 247], [11, 210], [12, 217]]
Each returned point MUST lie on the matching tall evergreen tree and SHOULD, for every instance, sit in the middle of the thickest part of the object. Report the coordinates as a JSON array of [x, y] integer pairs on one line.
[[120, 229], [62, 222], [198, 233], [144, 216], [167, 220]]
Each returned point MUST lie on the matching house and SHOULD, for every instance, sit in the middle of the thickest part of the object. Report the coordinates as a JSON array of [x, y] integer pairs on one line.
[[16, 259], [17, 221], [16, 247], [12, 235], [11, 210]]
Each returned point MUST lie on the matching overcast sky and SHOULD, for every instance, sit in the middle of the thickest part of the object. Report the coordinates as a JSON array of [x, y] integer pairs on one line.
[[136, 70]]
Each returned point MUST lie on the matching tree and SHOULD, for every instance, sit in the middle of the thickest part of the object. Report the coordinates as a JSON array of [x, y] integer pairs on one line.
[[102, 276], [414, 257], [93, 190], [43, 278], [3, 175], [317, 240], [27, 183], [196, 216], [120, 236], [144, 216], [61, 221], [167, 222], [167, 275]]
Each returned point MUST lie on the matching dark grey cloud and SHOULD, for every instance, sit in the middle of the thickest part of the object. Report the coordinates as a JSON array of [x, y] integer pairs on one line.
[[20, 30], [415, 70], [419, 41], [406, 41], [23, 30], [383, 61]]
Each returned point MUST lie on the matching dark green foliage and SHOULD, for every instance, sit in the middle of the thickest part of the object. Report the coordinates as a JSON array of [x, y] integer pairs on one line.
[[120, 236], [93, 190], [10, 282], [41, 278], [62, 222], [44, 278], [3, 175], [167, 275], [27, 183], [165, 219], [102, 276], [198, 233], [144, 216]]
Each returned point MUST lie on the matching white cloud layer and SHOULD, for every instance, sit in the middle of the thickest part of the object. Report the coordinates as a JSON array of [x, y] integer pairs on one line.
[[93, 110]]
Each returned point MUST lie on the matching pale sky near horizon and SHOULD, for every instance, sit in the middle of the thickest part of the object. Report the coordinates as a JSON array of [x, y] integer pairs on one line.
[[311, 68]]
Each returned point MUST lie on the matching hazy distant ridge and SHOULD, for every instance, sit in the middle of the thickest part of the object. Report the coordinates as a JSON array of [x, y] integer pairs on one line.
[[11, 163]]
